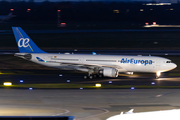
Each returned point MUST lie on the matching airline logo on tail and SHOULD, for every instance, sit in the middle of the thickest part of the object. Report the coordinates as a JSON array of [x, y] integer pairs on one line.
[[23, 42]]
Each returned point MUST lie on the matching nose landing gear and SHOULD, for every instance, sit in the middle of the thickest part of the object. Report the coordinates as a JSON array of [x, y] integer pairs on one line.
[[158, 74]]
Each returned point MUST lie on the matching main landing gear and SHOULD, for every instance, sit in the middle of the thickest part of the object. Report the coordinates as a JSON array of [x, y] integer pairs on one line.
[[93, 76], [94, 73], [89, 76]]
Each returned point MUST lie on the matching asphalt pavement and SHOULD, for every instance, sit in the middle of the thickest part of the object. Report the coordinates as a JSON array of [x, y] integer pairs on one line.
[[94, 104], [86, 104]]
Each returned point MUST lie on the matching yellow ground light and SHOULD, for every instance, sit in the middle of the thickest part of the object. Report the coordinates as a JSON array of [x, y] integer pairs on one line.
[[98, 85], [7, 83]]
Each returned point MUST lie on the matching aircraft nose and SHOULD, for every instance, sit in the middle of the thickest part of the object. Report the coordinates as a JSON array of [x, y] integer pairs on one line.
[[173, 65]]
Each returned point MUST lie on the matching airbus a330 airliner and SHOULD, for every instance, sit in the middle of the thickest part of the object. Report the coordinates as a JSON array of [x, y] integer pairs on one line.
[[101, 65]]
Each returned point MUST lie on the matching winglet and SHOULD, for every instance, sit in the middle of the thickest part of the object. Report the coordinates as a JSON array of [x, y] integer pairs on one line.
[[130, 111], [24, 42]]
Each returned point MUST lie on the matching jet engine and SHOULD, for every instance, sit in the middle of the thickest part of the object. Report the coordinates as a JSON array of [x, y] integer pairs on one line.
[[110, 72]]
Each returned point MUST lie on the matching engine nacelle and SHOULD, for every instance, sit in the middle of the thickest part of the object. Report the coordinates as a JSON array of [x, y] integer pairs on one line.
[[110, 72]]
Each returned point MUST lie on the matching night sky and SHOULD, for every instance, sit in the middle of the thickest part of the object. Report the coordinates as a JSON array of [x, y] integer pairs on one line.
[[105, 0]]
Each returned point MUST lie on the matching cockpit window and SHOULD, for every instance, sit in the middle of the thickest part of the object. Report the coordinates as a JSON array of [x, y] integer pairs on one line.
[[168, 61]]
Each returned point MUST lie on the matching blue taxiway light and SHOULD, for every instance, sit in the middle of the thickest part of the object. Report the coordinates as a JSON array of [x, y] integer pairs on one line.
[[30, 88], [110, 81], [81, 88], [132, 88], [153, 83], [21, 81], [68, 80]]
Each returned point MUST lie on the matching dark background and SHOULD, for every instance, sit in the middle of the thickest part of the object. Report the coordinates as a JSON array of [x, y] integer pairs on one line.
[[91, 11]]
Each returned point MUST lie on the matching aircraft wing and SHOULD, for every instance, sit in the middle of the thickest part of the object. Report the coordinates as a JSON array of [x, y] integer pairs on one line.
[[87, 66]]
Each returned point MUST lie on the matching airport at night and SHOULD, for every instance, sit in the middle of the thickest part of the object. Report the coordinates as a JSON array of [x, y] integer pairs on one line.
[[89, 59]]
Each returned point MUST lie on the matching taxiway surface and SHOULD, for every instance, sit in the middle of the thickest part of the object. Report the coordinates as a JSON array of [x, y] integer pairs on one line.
[[90, 104], [76, 78], [87, 104]]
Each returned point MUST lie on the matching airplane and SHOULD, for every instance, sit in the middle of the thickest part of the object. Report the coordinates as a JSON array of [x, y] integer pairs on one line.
[[93, 64], [154, 115], [6, 17]]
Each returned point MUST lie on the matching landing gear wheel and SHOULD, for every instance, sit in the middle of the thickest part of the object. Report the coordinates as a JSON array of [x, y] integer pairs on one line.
[[100, 75], [85, 77], [90, 77]]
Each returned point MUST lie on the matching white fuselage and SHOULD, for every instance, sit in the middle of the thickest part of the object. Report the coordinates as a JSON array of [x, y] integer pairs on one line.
[[123, 63]]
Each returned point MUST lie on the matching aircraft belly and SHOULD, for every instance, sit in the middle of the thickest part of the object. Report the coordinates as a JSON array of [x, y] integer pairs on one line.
[[139, 68]]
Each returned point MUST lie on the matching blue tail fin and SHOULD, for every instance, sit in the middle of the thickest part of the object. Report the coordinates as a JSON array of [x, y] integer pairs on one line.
[[24, 42]]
